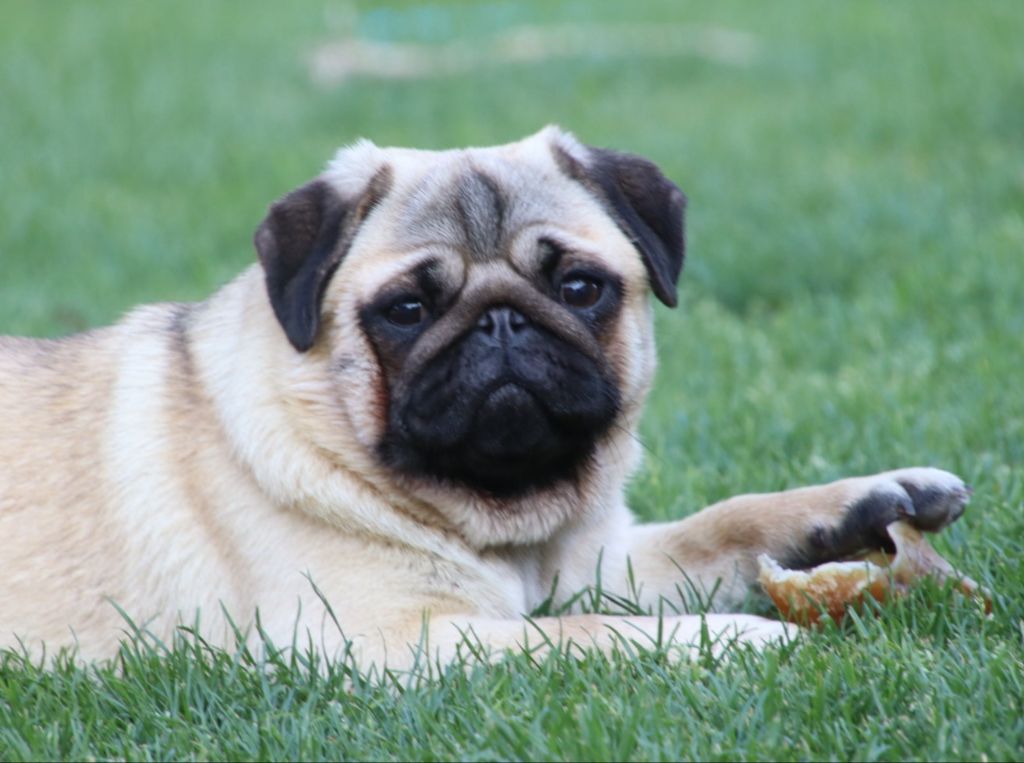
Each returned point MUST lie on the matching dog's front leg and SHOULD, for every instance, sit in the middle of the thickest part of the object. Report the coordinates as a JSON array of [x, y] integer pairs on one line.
[[716, 549], [445, 639]]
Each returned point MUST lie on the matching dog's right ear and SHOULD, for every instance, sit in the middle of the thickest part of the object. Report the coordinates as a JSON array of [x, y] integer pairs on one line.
[[301, 243]]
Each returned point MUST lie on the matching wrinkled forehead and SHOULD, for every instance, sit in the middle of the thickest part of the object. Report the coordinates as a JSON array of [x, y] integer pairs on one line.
[[477, 203], [486, 206]]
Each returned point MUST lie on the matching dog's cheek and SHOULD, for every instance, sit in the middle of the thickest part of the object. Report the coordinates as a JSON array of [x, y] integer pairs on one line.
[[631, 354], [361, 386], [358, 392]]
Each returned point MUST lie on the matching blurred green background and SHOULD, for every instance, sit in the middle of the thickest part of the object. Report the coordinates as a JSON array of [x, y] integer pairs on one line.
[[852, 301]]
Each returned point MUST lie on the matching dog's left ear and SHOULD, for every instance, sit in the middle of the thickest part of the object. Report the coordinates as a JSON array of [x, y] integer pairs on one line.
[[647, 206], [301, 242]]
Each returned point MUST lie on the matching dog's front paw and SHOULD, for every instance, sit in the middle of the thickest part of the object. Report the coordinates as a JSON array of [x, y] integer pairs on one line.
[[929, 499], [758, 632], [938, 498]]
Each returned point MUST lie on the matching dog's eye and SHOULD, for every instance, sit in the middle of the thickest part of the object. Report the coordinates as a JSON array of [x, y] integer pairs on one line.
[[580, 291], [406, 312]]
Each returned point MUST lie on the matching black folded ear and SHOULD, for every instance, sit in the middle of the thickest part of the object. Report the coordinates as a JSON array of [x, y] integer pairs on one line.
[[301, 242], [647, 206]]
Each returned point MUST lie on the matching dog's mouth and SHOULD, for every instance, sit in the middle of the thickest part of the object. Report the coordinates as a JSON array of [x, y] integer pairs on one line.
[[508, 439], [510, 422], [504, 409]]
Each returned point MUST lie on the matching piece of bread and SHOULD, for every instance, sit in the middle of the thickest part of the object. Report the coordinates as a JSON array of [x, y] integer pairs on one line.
[[805, 596]]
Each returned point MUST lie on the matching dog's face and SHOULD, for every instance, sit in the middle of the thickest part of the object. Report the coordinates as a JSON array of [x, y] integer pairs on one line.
[[483, 314]]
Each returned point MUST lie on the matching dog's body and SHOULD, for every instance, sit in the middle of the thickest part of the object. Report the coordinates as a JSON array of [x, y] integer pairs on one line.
[[423, 400]]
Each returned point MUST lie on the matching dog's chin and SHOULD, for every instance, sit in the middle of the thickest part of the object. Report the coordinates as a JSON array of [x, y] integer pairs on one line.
[[514, 446]]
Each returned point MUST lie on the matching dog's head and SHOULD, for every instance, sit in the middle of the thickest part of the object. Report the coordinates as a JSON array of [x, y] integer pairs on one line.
[[483, 313]]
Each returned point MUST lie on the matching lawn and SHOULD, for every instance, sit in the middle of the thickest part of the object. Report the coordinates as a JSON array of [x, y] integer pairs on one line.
[[853, 301]]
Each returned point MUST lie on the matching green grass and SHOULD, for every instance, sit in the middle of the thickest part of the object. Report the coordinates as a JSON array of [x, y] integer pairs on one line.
[[853, 301]]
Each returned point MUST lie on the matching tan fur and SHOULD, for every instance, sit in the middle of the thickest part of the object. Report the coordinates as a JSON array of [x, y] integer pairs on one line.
[[189, 459]]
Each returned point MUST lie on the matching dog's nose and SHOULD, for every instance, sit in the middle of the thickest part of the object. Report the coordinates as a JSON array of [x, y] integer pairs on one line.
[[501, 322]]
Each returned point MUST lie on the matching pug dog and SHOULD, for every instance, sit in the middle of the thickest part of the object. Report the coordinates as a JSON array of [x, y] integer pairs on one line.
[[399, 428]]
